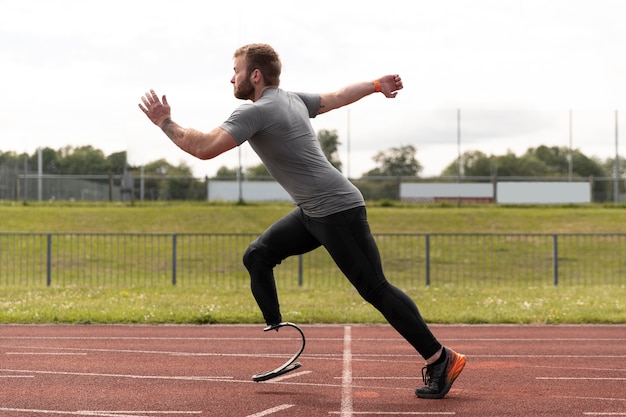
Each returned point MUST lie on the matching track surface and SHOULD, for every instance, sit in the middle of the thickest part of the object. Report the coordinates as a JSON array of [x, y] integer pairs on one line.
[[348, 370]]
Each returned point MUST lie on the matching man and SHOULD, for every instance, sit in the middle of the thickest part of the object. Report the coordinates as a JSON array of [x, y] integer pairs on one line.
[[330, 210]]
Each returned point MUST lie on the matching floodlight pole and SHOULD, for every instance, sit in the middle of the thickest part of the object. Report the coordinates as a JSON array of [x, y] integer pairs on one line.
[[571, 158], [239, 175], [616, 164], [39, 174], [458, 143], [348, 147]]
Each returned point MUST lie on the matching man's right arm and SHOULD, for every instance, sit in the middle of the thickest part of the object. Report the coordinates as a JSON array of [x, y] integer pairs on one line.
[[199, 144], [194, 142]]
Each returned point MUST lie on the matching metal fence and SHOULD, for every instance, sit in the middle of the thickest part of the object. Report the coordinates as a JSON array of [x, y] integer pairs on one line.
[[15, 185], [409, 260]]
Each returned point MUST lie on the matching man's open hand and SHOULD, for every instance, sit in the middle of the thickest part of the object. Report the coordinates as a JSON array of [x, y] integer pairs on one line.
[[156, 110]]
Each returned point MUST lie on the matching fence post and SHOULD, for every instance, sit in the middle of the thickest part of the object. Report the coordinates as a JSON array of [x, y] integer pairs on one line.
[[427, 262], [300, 270], [49, 260], [174, 241], [555, 260]]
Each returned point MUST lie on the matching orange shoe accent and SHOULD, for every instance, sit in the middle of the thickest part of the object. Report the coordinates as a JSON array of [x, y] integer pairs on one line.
[[456, 366]]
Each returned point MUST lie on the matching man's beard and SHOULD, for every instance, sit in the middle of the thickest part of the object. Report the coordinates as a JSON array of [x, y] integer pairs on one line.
[[245, 90]]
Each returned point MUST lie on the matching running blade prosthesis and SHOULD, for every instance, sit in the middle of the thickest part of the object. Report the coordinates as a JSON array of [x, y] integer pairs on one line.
[[288, 366]]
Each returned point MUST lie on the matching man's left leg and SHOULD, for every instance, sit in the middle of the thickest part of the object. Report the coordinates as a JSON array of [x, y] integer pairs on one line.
[[284, 238]]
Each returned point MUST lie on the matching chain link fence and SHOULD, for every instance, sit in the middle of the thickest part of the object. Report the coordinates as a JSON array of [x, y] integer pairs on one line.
[[409, 260], [19, 186]]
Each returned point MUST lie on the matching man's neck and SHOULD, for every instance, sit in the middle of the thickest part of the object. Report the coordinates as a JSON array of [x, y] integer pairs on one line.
[[259, 92]]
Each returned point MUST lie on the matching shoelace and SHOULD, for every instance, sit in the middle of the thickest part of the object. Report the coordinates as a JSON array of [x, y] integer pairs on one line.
[[426, 374]]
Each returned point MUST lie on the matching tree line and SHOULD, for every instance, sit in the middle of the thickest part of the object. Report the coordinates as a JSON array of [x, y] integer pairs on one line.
[[87, 160], [400, 161]]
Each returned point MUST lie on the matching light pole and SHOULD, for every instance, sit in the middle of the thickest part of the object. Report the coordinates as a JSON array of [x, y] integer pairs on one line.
[[616, 164], [458, 144], [571, 158]]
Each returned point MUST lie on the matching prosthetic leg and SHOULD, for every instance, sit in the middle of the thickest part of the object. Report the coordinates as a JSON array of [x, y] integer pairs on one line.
[[288, 366]]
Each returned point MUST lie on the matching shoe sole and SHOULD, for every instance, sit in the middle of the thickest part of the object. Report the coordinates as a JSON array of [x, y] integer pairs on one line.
[[453, 374]]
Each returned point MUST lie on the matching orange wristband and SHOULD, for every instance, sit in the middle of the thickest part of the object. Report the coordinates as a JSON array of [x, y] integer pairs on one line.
[[376, 86]]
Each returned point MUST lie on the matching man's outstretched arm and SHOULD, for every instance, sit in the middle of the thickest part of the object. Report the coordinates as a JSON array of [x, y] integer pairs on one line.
[[199, 144], [389, 85]]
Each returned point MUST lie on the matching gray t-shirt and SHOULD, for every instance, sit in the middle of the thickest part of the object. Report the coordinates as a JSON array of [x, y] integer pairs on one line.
[[278, 128]]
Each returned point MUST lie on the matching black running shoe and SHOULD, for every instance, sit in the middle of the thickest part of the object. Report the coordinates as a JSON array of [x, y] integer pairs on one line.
[[439, 378]]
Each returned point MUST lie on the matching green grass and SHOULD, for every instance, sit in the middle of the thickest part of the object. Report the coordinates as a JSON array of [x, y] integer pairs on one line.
[[154, 305], [340, 304], [254, 218]]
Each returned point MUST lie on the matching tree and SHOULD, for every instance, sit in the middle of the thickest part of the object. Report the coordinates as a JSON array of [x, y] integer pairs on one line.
[[556, 160], [473, 164], [117, 162], [542, 161], [51, 161], [527, 165], [329, 142], [83, 160], [608, 167], [257, 172], [225, 173], [177, 182], [396, 162], [478, 164]]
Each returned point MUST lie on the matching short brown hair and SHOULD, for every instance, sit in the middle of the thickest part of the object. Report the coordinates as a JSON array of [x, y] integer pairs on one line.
[[264, 58]]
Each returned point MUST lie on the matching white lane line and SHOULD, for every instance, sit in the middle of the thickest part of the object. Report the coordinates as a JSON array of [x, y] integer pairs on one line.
[[570, 397], [579, 378], [85, 351], [552, 356], [382, 340], [578, 368], [346, 375], [271, 410], [402, 413], [93, 374], [47, 353], [289, 376], [381, 378], [118, 413], [96, 413]]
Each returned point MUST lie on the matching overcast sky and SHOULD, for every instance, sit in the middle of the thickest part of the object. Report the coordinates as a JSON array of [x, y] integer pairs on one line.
[[73, 71]]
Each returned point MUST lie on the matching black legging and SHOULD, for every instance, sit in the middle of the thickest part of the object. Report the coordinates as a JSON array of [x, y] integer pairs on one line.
[[348, 239]]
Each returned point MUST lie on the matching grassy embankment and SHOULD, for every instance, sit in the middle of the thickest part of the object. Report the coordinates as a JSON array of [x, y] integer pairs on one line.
[[584, 304]]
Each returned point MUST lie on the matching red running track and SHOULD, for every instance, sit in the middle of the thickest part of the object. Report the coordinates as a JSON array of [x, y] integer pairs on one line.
[[348, 370]]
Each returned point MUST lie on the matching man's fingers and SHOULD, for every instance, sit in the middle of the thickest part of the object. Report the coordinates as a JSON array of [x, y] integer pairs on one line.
[[152, 106], [150, 98]]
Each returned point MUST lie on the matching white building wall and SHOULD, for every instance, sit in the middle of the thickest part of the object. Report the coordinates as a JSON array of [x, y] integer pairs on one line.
[[535, 192], [505, 192], [543, 192], [426, 192], [250, 190]]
